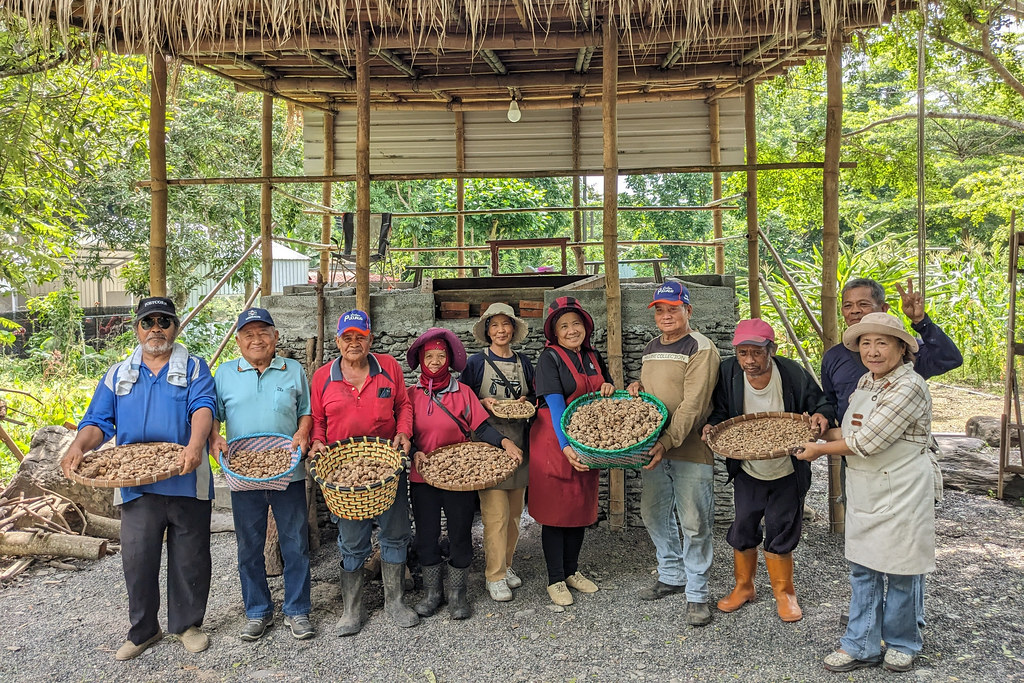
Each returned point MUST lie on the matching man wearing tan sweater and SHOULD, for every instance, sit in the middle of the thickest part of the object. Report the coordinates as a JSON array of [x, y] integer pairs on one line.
[[680, 367]]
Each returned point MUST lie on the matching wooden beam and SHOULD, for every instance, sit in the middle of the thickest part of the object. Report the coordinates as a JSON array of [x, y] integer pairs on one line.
[[460, 191], [363, 173], [753, 265], [714, 127], [577, 216], [266, 196], [327, 194], [613, 295], [158, 176]]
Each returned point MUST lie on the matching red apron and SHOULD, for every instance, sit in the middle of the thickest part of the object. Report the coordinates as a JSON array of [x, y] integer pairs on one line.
[[559, 495]]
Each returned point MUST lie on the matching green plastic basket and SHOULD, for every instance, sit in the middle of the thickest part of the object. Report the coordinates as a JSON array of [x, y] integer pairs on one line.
[[630, 458]]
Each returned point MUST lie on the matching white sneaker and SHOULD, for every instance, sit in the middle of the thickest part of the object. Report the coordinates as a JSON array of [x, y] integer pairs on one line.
[[499, 591], [512, 579]]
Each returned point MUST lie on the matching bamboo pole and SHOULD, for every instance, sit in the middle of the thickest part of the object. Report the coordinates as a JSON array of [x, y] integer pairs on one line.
[[750, 127], [714, 127], [789, 328], [216, 288], [613, 294], [6, 439], [460, 191], [830, 244], [792, 284], [266, 199], [363, 173], [158, 176], [577, 217], [326, 195]]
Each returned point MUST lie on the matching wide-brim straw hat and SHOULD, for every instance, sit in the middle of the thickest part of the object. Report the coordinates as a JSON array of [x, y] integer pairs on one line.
[[480, 327], [878, 323], [457, 357]]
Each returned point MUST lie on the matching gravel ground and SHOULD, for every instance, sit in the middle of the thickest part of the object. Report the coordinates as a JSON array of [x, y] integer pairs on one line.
[[60, 625]]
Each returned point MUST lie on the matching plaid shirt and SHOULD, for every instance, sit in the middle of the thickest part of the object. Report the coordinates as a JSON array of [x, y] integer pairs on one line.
[[903, 410]]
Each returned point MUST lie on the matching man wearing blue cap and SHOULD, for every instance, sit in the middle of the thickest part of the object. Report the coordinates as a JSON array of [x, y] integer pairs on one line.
[[680, 368], [262, 392]]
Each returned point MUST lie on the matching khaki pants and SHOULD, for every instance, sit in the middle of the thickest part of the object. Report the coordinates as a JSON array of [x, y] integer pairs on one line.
[[500, 511]]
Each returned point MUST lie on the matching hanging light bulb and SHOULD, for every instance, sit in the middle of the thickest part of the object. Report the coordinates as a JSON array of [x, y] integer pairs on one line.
[[513, 111]]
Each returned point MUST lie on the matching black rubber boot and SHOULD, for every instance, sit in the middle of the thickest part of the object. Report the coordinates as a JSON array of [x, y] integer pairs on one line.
[[393, 576], [458, 604], [352, 598], [433, 585]]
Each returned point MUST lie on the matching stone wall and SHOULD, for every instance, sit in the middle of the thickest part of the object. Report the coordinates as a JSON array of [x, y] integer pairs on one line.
[[399, 317]]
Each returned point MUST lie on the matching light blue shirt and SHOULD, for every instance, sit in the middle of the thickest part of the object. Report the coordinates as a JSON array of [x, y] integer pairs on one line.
[[249, 402]]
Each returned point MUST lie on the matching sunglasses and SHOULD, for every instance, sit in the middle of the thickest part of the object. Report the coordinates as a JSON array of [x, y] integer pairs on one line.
[[163, 321]]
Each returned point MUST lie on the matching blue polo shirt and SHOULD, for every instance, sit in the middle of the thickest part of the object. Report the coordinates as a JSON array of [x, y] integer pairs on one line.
[[250, 402], [155, 410]]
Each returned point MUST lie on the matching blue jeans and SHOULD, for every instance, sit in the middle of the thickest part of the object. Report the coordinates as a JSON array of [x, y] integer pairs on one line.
[[249, 509], [879, 612], [395, 532], [678, 487]]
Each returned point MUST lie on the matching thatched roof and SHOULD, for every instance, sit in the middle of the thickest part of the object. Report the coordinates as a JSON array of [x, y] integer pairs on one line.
[[470, 54]]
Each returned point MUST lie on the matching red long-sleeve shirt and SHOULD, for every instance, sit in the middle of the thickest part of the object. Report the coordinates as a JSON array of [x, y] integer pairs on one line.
[[381, 408]]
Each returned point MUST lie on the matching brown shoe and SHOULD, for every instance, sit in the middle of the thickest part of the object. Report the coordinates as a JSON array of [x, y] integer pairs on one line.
[[581, 583], [744, 568], [130, 650], [780, 571], [559, 594], [194, 640]]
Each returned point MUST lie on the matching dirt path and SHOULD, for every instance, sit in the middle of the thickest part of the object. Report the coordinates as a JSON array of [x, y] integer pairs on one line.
[[952, 406]]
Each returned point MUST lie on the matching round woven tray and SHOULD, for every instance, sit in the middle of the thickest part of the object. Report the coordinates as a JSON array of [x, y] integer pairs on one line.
[[738, 454], [365, 501], [631, 458], [498, 410], [495, 452], [104, 483], [263, 441]]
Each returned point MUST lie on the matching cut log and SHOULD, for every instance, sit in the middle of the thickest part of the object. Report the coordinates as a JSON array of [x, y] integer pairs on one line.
[[24, 543], [103, 527], [18, 567], [272, 550], [969, 465]]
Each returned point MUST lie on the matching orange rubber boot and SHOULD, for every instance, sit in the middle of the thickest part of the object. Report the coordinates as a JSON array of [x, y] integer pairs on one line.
[[744, 568], [780, 571]]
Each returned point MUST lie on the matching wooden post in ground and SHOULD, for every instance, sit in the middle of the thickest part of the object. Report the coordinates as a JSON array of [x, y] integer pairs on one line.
[[577, 217], [326, 196], [363, 172], [158, 176], [714, 126], [753, 265], [613, 295], [460, 192], [266, 197], [830, 242]]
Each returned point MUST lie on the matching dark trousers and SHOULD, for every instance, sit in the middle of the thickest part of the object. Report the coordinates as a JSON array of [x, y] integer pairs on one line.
[[459, 508], [187, 523], [776, 501], [562, 546]]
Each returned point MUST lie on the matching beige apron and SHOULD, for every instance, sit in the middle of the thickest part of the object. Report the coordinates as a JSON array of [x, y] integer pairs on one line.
[[890, 511], [491, 386]]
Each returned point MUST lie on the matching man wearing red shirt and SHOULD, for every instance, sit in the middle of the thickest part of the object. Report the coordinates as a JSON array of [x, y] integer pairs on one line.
[[363, 394]]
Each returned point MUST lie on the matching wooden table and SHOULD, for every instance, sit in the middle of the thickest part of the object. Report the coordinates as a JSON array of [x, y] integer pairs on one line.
[[656, 262], [417, 278], [496, 245]]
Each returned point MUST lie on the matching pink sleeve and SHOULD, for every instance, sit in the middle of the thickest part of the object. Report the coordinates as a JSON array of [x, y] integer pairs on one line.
[[319, 432], [475, 410]]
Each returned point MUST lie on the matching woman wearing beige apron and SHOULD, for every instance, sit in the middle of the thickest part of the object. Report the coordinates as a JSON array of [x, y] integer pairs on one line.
[[890, 514], [499, 374]]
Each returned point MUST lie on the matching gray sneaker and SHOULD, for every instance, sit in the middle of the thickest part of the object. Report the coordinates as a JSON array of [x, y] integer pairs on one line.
[[255, 628], [300, 626], [698, 614]]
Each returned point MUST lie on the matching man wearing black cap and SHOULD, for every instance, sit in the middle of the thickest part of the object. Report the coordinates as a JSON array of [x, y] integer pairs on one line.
[[160, 393]]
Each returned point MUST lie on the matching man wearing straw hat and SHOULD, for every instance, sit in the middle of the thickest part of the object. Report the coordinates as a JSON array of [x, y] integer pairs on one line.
[[363, 394], [160, 393], [680, 368], [263, 393]]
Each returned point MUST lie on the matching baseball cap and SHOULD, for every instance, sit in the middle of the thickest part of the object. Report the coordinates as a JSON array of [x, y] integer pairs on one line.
[[354, 320], [753, 331], [674, 293], [155, 305], [254, 315]]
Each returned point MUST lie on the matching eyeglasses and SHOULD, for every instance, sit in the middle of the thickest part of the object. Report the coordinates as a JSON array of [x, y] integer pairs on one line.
[[163, 321]]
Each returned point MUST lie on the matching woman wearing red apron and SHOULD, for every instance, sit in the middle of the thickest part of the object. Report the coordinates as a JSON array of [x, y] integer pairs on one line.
[[563, 492]]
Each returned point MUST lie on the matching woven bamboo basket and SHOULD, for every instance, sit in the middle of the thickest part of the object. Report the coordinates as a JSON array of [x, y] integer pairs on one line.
[[492, 451], [104, 483], [739, 454], [499, 410], [631, 458], [263, 441], [358, 502]]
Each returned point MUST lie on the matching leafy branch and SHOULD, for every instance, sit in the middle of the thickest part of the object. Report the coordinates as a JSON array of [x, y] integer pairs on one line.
[[965, 116]]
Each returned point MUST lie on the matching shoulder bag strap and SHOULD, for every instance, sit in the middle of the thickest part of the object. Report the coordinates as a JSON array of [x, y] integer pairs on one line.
[[439, 404], [494, 366]]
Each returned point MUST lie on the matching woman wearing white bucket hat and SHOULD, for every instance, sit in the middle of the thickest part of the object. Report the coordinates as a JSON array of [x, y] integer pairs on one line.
[[890, 516]]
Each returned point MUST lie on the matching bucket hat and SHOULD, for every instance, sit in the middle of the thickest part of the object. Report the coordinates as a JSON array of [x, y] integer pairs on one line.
[[878, 323], [558, 308], [457, 357], [480, 327]]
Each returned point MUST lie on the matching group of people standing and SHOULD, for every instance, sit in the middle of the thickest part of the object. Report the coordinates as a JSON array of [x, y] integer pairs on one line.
[[162, 393]]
